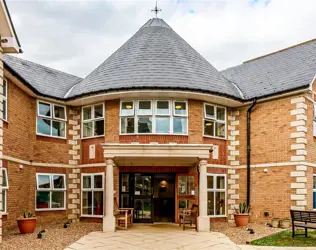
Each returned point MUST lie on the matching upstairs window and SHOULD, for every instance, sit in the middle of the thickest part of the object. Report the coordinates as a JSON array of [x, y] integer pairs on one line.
[[214, 121], [314, 191], [93, 121], [154, 117], [50, 191], [51, 120], [5, 99]]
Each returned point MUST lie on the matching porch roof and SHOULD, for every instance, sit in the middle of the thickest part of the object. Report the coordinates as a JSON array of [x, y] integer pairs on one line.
[[156, 154]]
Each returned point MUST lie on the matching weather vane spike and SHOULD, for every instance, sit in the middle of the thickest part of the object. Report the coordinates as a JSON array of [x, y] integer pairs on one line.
[[156, 9]]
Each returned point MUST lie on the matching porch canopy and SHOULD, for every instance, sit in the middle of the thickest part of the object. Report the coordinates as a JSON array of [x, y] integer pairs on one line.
[[136, 154]]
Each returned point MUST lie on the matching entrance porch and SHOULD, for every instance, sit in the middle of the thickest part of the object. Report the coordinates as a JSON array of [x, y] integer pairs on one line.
[[156, 180]]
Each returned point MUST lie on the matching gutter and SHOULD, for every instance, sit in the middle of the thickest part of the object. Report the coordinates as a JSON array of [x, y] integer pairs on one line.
[[249, 148]]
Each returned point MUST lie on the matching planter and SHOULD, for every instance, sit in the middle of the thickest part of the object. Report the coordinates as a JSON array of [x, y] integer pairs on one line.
[[241, 220], [26, 225], [285, 223], [275, 222]]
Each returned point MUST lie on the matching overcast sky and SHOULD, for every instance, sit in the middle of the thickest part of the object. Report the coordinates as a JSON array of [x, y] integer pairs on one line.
[[76, 36]]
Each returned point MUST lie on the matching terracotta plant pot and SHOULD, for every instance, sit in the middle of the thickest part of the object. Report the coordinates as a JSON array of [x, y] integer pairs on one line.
[[241, 220], [26, 225], [285, 223], [275, 222]]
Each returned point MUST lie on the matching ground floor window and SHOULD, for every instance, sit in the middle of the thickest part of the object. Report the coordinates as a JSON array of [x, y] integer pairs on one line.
[[216, 194], [5, 187], [314, 191], [92, 194], [50, 191]]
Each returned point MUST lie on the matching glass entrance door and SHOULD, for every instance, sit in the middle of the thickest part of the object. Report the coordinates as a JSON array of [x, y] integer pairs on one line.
[[142, 198]]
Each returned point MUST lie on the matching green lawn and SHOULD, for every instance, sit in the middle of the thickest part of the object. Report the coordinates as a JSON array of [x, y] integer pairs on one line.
[[285, 239]]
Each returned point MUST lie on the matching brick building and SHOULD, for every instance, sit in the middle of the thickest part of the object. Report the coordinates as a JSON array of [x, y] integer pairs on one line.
[[158, 128]]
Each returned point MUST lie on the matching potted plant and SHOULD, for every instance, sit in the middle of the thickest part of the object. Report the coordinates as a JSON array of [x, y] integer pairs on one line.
[[26, 223], [285, 223], [275, 222], [242, 215]]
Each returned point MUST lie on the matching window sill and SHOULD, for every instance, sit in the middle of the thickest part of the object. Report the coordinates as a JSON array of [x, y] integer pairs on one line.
[[91, 216], [154, 134], [214, 137], [50, 209], [49, 136], [6, 121], [217, 216], [4, 214], [91, 137]]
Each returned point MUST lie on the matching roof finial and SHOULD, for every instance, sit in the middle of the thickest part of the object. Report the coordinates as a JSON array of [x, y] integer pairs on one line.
[[156, 10]]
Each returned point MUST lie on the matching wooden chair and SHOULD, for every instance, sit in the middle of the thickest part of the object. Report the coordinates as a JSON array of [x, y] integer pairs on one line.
[[189, 216], [123, 216]]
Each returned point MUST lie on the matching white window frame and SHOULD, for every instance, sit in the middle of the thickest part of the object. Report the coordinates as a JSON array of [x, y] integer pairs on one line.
[[314, 191], [5, 98], [5, 190], [50, 190], [51, 118], [215, 120], [92, 189], [314, 121], [92, 120], [154, 115], [215, 189]]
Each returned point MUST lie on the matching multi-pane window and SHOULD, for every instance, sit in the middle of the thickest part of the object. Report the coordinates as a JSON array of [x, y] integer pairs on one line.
[[216, 195], [51, 120], [93, 121], [314, 191], [154, 117], [50, 191], [214, 121], [92, 194], [5, 99], [5, 187]]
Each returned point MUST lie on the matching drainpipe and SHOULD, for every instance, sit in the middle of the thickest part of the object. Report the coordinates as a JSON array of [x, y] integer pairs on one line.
[[249, 148]]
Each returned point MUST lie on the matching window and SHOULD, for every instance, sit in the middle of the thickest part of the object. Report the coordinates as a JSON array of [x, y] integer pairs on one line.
[[314, 191], [154, 117], [216, 195], [93, 121], [314, 121], [214, 121], [5, 100], [5, 187], [92, 195], [51, 120], [50, 191]]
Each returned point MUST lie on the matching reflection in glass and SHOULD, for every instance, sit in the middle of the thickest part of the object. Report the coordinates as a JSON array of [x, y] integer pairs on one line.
[[127, 108], [59, 129], [87, 129], [59, 112], [87, 113], [98, 179], [142, 208], [98, 111], [220, 114], [210, 203], [87, 202], [180, 108], [58, 181], [98, 203], [162, 108], [142, 185], [163, 125], [125, 183], [180, 125], [58, 199], [127, 125], [42, 199], [43, 181], [124, 200], [44, 109], [208, 128], [220, 203], [86, 181], [43, 126], [210, 181], [144, 125], [220, 130], [220, 182], [99, 127], [144, 108], [209, 111]]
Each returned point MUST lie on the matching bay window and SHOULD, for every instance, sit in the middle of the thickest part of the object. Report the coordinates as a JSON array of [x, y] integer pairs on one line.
[[51, 120], [50, 191], [153, 117], [314, 191], [214, 121], [5, 187], [5, 99], [92, 194], [216, 195], [93, 121], [314, 121]]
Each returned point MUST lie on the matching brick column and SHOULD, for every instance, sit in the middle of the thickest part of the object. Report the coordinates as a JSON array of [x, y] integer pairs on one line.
[[1, 132], [74, 158], [233, 159], [298, 146]]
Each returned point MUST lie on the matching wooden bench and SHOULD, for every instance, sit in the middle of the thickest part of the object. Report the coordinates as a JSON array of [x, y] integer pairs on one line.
[[189, 216], [123, 216], [303, 219]]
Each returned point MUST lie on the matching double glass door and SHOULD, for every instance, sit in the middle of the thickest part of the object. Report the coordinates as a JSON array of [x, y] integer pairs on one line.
[[136, 191]]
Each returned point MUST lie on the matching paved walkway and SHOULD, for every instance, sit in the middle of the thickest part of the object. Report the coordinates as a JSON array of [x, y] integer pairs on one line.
[[163, 238]]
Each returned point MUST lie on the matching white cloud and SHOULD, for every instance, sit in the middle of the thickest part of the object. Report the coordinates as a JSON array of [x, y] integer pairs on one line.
[[76, 36]]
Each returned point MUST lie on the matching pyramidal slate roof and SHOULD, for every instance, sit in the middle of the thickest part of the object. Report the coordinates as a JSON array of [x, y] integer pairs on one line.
[[43, 80], [288, 69], [155, 57]]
